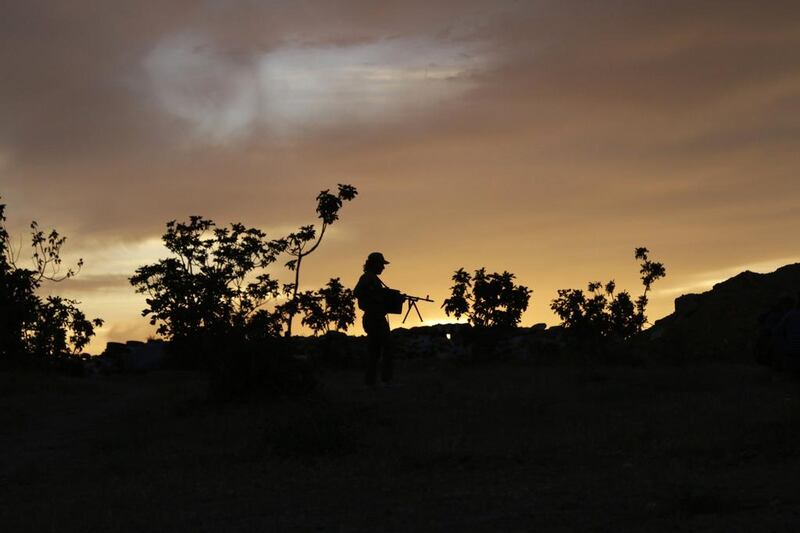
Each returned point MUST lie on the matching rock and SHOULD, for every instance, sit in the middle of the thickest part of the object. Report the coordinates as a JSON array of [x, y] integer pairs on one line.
[[722, 324], [136, 356], [114, 349], [687, 304]]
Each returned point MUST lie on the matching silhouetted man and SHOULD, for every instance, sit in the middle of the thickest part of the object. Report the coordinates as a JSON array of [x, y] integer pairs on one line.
[[370, 292]]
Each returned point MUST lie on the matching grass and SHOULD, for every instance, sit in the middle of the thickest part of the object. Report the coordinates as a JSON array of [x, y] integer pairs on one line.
[[476, 448]]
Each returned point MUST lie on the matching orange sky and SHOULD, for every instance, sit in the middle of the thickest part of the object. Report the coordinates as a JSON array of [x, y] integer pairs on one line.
[[545, 138]]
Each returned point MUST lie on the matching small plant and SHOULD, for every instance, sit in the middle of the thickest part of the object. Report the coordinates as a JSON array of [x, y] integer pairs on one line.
[[489, 300], [331, 307], [304, 241], [603, 313]]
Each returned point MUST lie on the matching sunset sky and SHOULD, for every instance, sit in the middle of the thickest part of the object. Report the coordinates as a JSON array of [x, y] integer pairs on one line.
[[547, 138]]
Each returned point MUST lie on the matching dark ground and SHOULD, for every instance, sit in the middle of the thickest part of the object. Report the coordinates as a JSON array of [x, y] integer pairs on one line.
[[480, 448]]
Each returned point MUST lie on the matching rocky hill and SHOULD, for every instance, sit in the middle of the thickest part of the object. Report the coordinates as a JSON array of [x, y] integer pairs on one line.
[[722, 323]]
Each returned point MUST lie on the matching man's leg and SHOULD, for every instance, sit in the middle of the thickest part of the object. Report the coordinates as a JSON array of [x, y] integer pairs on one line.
[[373, 354], [387, 357], [373, 349]]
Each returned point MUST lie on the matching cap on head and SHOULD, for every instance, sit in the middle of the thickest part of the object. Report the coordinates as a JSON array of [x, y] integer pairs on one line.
[[376, 258]]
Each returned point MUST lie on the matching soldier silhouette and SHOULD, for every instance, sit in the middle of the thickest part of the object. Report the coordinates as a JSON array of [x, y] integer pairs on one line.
[[372, 299]]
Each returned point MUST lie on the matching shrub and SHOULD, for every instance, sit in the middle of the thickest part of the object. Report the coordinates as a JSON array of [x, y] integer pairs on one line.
[[60, 328], [303, 242], [490, 300], [214, 285], [331, 308], [30, 324], [602, 313]]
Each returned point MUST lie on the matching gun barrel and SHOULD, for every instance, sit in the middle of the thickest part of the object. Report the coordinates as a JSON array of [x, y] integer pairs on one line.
[[418, 298]]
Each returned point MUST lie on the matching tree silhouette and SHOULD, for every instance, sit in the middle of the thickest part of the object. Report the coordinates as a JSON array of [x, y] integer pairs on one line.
[[215, 283], [29, 324], [331, 307], [602, 313], [304, 241], [487, 299]]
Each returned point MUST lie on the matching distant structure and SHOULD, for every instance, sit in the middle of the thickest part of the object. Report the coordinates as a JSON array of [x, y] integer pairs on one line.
[[136, 356]]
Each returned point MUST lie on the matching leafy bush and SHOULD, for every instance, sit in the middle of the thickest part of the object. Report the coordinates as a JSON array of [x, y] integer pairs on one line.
[[30, 324], [210, 300], [216, 282], [600, 313], [60, 328], [491, 300], [332, 306], [215, 285]]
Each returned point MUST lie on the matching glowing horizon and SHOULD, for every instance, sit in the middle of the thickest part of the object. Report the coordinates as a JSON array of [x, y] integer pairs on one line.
[[106, 292]]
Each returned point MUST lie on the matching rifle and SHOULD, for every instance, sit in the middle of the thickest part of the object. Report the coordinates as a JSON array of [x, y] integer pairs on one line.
[[412, 303]]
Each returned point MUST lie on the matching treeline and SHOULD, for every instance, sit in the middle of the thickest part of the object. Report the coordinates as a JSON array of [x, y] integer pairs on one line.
[[215, 293], [601, 314]]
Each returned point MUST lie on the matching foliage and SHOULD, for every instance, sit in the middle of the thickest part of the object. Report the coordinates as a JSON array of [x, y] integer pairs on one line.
[[491, 300], [602, 313], [29, 324], [332, 306], [60, 328], [304, 241], [214, 283]]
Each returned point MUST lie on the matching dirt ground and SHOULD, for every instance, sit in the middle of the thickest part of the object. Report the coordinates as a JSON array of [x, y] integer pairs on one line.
[[452, 448]]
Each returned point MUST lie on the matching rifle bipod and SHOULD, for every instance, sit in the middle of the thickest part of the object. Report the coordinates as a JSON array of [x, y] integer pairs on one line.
[[412, 304]]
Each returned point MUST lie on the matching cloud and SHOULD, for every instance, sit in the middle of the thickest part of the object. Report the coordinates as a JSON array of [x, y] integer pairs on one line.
[[294, 88], [197, 84]]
